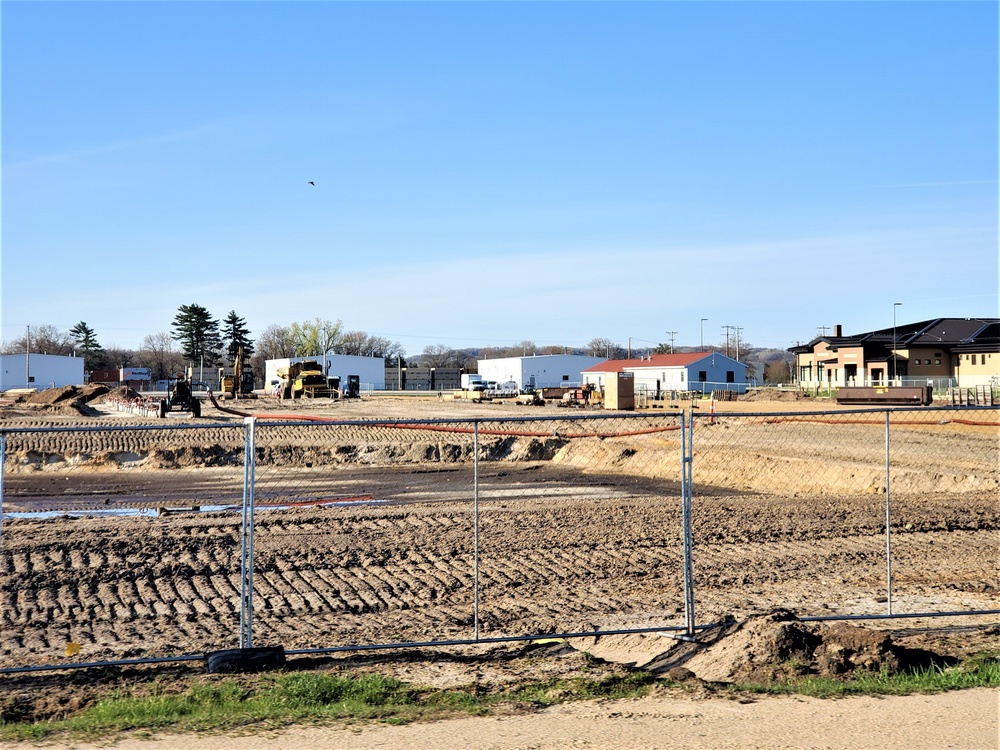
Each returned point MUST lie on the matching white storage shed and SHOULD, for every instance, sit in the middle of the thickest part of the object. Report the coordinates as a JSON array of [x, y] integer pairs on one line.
[[695, 371], [538, 371]]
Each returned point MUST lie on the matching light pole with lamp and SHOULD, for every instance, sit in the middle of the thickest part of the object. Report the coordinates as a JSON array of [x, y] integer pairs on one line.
[[895, 363], [703, 333]]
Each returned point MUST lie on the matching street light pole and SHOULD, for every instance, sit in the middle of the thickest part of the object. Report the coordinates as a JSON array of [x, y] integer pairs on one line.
[[703, 333], [895, 363]]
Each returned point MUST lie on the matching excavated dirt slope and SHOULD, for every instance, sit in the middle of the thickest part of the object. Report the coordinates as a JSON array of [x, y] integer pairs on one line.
[[579, 527]]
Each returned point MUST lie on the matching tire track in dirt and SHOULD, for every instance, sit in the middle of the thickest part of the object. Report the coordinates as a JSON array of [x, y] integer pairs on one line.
[[335, 576]]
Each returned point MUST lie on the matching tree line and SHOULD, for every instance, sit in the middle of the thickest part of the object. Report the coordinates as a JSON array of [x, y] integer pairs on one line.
[[198, 338]]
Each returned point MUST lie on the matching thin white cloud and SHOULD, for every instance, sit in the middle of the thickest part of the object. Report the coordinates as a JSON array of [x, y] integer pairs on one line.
[[182, 135]]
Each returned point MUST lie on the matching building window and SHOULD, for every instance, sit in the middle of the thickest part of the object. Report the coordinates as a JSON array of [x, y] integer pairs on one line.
[[565, 377], [805, 373], [936, 361], [702, 376], [682, 376], [730, 376], [973, 359]]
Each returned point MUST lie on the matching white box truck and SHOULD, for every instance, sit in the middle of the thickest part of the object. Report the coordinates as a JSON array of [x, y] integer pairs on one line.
[[472, 382]]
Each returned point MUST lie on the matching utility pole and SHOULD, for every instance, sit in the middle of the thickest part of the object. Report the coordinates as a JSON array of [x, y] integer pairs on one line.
[[821, 330], [27, 356], [671, 334], [738, 342], [727, 338], [703, 333]]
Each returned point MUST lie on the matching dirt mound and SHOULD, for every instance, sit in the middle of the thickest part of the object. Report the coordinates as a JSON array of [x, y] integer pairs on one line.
[[778, 646], [763, 649], [770, 394], [83, 395], [93, 392], [54, 395]]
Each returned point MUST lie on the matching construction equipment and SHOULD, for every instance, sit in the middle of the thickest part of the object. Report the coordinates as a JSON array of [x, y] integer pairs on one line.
[[304, 379], [238, 383], [180, 399]]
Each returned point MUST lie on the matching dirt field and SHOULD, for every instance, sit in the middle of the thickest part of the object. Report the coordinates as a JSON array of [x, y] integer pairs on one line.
[[579, 529]]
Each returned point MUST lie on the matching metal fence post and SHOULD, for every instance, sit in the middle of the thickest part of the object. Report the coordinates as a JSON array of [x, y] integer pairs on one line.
[[246, 541], [3, 464], [888, 521], [475, 528], [687, 443]]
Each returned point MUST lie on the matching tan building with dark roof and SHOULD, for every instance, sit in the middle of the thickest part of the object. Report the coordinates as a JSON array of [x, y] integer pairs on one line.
[[943, 352]]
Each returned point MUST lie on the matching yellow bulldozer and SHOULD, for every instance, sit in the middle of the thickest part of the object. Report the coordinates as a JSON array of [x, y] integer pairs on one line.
[[304, 379]]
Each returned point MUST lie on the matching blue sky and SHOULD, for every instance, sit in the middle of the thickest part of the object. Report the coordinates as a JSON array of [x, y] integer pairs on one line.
[[488, 173]]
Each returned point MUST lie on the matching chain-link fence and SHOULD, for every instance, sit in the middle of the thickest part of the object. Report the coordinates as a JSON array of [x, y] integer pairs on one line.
[[136, 542], [841, 512]]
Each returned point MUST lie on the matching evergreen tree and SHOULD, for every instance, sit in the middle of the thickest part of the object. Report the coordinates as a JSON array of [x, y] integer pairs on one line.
[[86, 343], [234, 335], [198, 334], [85, 338]]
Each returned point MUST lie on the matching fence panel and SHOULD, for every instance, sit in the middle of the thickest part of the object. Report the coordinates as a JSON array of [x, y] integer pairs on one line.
[[376, 545], [790, 510], [118, 540], [944, 468], [580, 523], [456, 529]]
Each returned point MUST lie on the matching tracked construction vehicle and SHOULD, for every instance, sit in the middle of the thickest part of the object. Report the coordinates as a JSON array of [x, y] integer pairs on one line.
[[238, 383], [304, 379]]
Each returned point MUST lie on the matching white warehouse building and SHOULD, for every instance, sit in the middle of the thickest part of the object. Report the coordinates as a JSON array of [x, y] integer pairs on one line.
[[39, 371], [538, 371], [695, 371]]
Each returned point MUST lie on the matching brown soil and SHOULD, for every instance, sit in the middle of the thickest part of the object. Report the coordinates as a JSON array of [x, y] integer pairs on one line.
[[579, 531]]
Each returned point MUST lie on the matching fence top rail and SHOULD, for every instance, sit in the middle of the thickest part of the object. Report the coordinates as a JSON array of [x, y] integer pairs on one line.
[[122, 427], [841, 412], [382, 422]]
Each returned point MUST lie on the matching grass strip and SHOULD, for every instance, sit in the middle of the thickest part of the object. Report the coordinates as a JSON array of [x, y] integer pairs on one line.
[[284, 699], [982, 670]]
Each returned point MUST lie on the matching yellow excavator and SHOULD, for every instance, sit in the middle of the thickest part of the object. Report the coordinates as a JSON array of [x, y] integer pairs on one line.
[[239, 384]]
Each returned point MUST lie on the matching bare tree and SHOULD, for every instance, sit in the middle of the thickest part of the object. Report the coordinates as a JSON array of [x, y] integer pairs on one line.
[[42, 339], [438, 355], [158, 354], [605, 348], [390, 351], [115, 357], [523, 349], [276, 342], [353, 343], [556, 349]]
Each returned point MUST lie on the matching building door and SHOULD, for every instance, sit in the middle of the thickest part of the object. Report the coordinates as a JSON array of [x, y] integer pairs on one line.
[[850, 374]]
